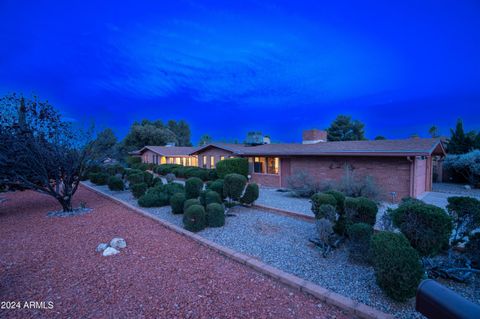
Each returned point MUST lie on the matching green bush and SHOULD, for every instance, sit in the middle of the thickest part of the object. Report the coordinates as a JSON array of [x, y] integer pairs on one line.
[[99, 178], [212, 197], [212, 175], [360, 210], [190, 202], [327, 211], [427, 227], [171, 188], [138, 189], [232, 166], [194, 218], [215, 215], [360, 235], [217, 186], [140, 166], [131, 171], [177, 201], [472, 249], [193, 187], [164, 169], [94, 168], [154, 197], [136, 178], [251, 194], [340, 198], [198, 172], [397, 265], [131, 160], [319, 199], [114, 169], [115, 183], [465, 212], [157, 181], [148, 178], [233, 186]]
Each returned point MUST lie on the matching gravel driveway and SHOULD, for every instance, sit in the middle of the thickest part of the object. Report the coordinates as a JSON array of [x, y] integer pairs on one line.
[[160, 274]]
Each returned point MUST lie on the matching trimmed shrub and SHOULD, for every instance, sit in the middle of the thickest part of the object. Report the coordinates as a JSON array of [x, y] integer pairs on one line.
[[154, 197], [340, 198], [115, 183], [138, 189], [136, 178], [164, 169], [131, 171], [360, 210], [94, 168], [215, 215], [251, 194], [131, 160], [212, 174], [233, 186], [148, 178], [465, 212], [212, 197], [99, 178], [360, 235], [232, 166], [193, 186], [397, 265], [171, 188], [319, 199], [217, 186], [427, 227], [157, 181], [176, 201], [141, 166], [190, 202], [194, 218], [326, 211], [170, 177]]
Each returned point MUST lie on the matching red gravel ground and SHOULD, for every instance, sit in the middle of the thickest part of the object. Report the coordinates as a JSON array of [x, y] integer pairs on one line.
[[160, 274]]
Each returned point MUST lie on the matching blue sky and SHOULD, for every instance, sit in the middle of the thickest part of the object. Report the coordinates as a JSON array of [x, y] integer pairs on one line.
[[230, 67]]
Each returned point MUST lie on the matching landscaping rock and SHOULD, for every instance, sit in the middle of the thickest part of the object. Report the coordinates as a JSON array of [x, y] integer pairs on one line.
[[110, 251], [101, 247], [118, 242]]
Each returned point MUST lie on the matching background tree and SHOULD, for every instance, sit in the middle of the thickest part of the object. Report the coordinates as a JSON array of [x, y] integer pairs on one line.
[[182, 131], [433, 131], [205, 139], [105, 145], [343, 128], [39, 151], [379, 137], [461, 142]]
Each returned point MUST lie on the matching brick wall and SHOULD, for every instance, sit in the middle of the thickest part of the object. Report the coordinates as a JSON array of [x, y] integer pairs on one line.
[[269, 180]]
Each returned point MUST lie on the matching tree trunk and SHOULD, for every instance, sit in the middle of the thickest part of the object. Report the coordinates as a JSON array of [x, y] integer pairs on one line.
[[66, 204]]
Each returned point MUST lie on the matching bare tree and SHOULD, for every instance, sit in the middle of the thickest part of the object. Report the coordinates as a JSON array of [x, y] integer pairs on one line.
[[40, 151]]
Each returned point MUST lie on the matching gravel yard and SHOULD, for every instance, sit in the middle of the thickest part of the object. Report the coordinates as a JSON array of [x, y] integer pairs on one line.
[[284, 200], [160, 274], [455, 189], [282, 242]]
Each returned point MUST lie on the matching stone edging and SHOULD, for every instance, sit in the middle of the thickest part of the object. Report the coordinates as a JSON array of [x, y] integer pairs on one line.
[[286, 213], [350, 306]]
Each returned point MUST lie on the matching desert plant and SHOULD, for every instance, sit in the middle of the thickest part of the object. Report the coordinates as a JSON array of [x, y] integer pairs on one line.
[[190, 202], [115, 183], [324, 231], [170, 177], [233, 186], [302, 184], [354, 186], [360, 235], [215, 215], [397, 266], [327, 211], [194, 218], [319, 199], [251, 194], [472, 249], [212, 197], [360, 210], [193, 186], [177, 201], [138, 189], [232, 165], [427, 227], [154, 197], [467, 165], [465, 213]]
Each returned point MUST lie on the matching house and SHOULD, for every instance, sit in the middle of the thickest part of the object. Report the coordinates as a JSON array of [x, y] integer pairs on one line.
[[167, 155], [399, 167]]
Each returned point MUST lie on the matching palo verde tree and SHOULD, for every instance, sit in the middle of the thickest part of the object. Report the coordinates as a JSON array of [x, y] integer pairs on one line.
[[40, 151]]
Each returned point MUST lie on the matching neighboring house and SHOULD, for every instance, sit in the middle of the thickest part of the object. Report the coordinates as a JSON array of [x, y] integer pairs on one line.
[[403, 167], [167, 155]]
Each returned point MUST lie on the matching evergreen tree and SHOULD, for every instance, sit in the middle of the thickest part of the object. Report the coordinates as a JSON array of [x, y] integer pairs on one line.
[[344, 129], [460, 142], [433, 131]]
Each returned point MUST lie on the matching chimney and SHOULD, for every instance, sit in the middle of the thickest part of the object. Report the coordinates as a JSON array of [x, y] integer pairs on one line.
[[314, 136]]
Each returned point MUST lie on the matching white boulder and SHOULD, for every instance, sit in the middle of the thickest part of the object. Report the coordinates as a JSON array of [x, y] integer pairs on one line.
[[118, 243], [101, 247], [110, 251]]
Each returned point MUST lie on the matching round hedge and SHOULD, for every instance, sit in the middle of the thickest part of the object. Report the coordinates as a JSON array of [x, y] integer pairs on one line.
[[427, 227], [115, 183], [327, 211], [217, 186], [215, 215], [148, 178], [177, 201], [194, 218], [193, 187], [251, 194], [212, 197], [233, 186], [340, 199], [138, 189], [397, 265], [153, 198], [190, 202], [361, 210], [319, 199], [136, 178], [99, 178], [360, 235]]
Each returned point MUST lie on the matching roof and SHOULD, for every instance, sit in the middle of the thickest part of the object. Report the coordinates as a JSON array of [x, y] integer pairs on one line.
[[405, 147], [169, 150]]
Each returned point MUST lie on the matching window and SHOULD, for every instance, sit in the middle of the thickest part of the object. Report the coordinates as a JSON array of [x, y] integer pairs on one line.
[[177, 160], [212, 161], [187, 161], [272, 165], [204, 161], [222, 158], [184, 161], [170, 160], [194, 161], [163, 160], [266, 165]]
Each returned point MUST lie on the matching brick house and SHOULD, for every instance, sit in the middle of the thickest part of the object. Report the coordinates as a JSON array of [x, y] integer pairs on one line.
[[167, 155], [403, 167]]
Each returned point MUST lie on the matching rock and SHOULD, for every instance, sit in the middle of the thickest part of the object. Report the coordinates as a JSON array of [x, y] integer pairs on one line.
[[118, 242], [110, 251], [101, 247], [467, 187]]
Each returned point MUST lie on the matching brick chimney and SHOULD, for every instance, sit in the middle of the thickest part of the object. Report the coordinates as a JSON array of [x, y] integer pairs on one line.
[[314, 136]]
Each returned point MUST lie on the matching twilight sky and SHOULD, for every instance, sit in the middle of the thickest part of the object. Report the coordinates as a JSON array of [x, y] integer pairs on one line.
[[228, 67]]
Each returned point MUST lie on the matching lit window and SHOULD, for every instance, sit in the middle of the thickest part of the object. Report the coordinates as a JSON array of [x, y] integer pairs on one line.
[[163, 160], [204, 161], [212, 161], [170, 159], [194, 161], [222, 158], [259, 165], [272, 165], [177, 160]]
